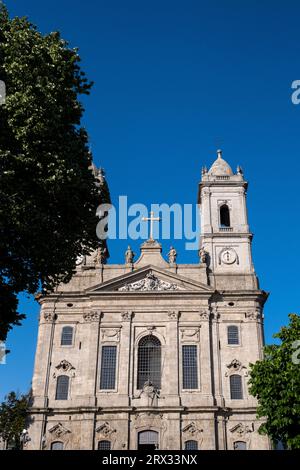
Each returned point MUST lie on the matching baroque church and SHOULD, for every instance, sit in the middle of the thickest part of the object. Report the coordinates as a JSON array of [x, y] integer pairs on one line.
[[151, 354]]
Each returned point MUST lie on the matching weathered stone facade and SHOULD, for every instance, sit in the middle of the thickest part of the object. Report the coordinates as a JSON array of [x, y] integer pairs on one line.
[[178, 304]]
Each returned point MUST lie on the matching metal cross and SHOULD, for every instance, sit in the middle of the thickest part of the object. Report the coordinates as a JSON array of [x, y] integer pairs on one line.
[[151, 219]]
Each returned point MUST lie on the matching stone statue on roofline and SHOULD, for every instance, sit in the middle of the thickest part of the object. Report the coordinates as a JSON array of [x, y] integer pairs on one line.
[[172, 255], [129, 255]]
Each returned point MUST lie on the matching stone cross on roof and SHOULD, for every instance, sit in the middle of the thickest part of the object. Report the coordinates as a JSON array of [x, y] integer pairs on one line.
[[151, 219]]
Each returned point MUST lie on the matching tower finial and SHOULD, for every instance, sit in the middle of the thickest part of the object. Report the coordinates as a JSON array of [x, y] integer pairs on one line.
[[219, 153]]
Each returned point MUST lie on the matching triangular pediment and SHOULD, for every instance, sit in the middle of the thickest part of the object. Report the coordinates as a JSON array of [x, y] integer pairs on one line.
[[149, 279]]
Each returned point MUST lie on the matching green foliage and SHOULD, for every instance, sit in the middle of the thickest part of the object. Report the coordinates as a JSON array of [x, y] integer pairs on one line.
[[48, 196], [13, 418], [275, 382]]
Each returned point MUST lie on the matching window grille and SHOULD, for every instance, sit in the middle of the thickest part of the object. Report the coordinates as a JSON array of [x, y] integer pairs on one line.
[[108, 367], [62, 387], [57, 445], [191, 445], [149, 362], [236, 391], [104, 445], [239, 445], [189, 367], [67, 336], [233, 334], [148, 438]]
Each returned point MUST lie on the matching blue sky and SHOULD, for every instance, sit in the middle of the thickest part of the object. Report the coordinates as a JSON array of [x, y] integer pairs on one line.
[[174, 80]]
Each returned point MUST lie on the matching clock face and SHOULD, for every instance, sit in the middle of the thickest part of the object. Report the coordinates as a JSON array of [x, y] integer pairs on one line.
[[228, 256], [79, 260]]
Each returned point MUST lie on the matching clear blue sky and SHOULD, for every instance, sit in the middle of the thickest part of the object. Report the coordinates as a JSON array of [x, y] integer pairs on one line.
[[174, 80]]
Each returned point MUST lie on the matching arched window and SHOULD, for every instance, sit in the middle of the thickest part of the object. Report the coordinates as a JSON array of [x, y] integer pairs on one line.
[[104, 445], [191, 445], [224, 216], [66, 336], [62, 387], [148, 440], [239, 445], [236, 391], [57, 445], [149, 362], [233, 334]]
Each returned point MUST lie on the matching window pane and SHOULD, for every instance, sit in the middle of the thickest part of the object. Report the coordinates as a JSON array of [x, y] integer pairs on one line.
[[57, 446], [104, 445], [240, 445], [191, 445], [189, 366], [148, 437], [67, 336], [62, 387], [108, 367], [233, 334], [149, 362], [236, 387]]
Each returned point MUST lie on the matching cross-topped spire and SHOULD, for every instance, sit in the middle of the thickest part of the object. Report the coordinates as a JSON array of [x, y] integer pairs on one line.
[[151, 219]]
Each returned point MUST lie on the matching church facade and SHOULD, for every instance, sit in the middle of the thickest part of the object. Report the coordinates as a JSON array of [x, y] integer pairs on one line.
[[151, 354]]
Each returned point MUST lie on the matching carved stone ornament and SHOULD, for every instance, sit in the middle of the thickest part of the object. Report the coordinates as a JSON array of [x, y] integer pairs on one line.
[[151, 420], [105, 430], [110, 334], [92, 316], [192, 429], [100, 256], [190, 334], [242, 430], [215, 315], [228, 256], [59, 430], [203, 255], [65, 367], [149, 394], [253, 315], [204, 315], [150, 329], [173, 315], [49, 316], [150, 282], [126, 316], [234, 367]]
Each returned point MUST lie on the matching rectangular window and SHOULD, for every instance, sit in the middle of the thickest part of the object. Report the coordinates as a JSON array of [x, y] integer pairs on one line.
[[62, 387], [108, 367], [67, 336], [233, 334], [189, 366]]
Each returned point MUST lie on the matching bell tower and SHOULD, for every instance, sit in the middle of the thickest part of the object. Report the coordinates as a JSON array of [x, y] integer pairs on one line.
[[225, 233]]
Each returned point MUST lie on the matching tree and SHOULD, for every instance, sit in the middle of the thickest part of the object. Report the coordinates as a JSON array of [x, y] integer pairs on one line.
[[13, 418], [275, 382], [48, 196]]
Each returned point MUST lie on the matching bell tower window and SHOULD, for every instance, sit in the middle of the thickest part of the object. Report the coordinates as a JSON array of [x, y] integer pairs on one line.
[[224, 216]]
